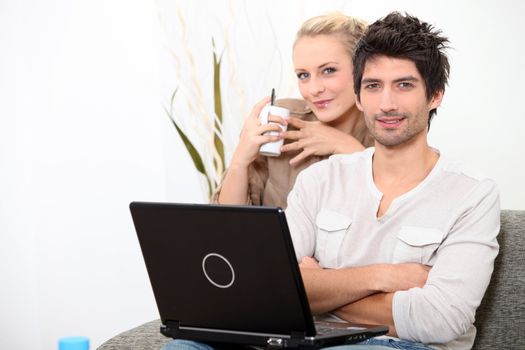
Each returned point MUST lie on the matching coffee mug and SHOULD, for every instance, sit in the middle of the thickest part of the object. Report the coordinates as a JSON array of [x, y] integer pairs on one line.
[[273, 149]]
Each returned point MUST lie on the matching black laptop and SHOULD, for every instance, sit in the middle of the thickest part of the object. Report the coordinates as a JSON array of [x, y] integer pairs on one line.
[[228, 274]]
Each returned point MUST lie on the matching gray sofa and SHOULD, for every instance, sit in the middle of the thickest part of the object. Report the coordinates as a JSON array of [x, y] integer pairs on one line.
[[500, 319]]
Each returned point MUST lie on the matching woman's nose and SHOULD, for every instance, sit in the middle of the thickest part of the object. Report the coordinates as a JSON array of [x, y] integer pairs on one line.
[[316, 86]]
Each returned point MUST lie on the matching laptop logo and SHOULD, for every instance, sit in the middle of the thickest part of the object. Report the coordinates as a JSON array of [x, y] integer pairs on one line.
[[218, 270]]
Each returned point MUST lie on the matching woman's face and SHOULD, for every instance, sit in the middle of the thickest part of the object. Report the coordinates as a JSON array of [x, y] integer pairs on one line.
[[324, 73]]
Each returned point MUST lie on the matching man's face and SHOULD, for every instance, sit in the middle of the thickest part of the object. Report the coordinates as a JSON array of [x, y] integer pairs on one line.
[[393, 101]]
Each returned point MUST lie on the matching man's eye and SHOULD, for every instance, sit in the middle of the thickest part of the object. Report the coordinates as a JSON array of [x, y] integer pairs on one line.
[[371, 86], [405, 85], [329, 70], [302, 75]]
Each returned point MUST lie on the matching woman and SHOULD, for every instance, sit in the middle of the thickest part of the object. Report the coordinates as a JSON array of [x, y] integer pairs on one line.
[[325, 123]]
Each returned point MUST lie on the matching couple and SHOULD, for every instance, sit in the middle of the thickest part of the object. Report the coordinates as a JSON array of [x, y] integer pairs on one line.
[[396, 234]]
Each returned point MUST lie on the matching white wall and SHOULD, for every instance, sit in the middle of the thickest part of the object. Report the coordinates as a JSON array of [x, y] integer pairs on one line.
[[82, 133], [81, 136]]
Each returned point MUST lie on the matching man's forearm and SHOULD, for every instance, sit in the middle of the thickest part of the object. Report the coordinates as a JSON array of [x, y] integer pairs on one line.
[[328, 290], [373, 309]]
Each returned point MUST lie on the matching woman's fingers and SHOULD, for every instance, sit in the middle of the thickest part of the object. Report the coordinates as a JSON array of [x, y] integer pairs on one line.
[[261, 129], [300, 157], [292, 146], [296, 122], [293, 135], [277, 119]]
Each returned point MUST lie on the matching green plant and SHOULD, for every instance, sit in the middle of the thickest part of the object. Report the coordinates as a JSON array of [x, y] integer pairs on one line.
[[214, 173]]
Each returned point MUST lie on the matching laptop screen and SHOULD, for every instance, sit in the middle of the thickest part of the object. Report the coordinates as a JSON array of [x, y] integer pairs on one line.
[[223, 267]]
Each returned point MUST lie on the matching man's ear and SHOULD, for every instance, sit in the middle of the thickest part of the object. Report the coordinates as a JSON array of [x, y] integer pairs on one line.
[[358, 103], [435, 102]]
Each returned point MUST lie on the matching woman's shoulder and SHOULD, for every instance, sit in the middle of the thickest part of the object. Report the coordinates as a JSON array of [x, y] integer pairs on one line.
[[297, 107]]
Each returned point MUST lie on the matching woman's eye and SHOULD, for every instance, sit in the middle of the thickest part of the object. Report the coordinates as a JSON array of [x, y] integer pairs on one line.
[[302, 75], [329, 70]]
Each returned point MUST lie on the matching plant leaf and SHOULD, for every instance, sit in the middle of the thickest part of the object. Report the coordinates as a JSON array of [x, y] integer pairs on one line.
[[217, 141], [172, 100], [194, 154]]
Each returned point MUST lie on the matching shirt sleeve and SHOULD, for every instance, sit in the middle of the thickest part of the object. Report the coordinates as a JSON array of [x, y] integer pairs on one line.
[[444, 309], [300, 213]]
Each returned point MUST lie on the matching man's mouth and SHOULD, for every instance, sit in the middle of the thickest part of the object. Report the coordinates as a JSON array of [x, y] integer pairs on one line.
[[390, 122]]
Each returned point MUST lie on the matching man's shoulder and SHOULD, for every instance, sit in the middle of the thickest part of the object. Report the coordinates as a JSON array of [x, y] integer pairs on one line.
[[467, 175], [462, 169]]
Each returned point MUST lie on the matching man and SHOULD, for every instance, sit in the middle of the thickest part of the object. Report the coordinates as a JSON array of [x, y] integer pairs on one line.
[[397, 234]]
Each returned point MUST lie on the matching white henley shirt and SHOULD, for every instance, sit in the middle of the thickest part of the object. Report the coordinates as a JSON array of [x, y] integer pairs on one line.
[[449, 221]]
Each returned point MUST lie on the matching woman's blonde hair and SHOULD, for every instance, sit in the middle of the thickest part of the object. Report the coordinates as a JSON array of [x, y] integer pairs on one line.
[[349, 29]]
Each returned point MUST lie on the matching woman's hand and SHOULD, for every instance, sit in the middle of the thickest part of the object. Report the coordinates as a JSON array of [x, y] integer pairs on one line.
[[315, 138], [252, 135]]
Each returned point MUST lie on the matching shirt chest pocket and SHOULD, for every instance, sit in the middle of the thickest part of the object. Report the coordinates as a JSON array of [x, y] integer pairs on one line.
[[417, 244], [331, 230]]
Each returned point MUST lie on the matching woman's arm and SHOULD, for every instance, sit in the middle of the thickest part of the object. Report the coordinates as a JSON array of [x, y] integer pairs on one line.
[[234, 187]]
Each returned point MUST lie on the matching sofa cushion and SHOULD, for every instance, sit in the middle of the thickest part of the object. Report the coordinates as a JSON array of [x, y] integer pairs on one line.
[[500, 319]]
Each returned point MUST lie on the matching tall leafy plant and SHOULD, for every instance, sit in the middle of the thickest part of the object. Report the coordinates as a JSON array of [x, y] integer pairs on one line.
[[214, 173]]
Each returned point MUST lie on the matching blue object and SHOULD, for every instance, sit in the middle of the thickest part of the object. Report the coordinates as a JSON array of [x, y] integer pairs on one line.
[[73, 343]]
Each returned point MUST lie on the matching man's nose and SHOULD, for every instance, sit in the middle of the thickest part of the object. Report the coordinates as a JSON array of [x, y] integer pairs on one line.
[[388, 101]]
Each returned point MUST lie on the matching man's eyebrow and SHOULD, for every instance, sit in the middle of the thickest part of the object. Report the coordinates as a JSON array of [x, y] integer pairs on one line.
[[375, 80], [407, 78], [370, 80]]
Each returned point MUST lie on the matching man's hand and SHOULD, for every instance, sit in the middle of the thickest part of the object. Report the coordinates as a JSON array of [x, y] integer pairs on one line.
[[394, 277], [331, 289], [309, 263], [377, 308]]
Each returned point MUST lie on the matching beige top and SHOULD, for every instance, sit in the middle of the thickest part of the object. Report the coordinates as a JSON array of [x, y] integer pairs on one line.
[[270, 179]]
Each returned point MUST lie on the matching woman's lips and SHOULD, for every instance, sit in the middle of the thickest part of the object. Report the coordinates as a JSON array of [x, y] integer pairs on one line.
[[322, 103]]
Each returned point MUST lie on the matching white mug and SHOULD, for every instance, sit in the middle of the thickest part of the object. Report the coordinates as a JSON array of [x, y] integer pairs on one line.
[[273, 149]]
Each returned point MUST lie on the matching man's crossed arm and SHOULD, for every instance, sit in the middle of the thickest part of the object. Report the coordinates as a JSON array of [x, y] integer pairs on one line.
[[360, 294]]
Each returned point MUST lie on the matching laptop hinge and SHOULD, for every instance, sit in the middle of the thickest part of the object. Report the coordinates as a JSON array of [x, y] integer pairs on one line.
[[167, 328]]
